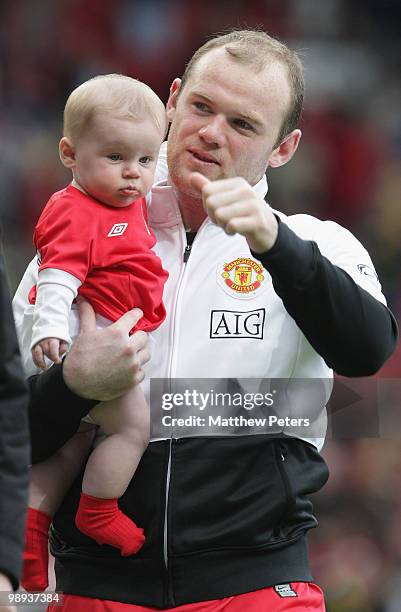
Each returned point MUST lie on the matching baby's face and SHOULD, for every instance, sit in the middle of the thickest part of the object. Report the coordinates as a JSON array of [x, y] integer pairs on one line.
[[115, 160]]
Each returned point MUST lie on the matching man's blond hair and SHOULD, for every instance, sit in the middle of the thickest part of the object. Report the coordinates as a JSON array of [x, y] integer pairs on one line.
[[256, 48], [120, 95]]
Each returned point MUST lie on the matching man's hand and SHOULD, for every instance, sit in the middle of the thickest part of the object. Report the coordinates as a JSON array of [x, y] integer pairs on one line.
[[52, 348], [234, 206], [104, 363]]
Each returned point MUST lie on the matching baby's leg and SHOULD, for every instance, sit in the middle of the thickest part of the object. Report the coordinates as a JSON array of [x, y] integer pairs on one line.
[[113, 462], [109, 470], [50, 480]]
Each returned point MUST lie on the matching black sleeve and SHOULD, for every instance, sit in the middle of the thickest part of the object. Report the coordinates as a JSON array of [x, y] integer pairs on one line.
[[350, 329], [14, 442], [55, 412]]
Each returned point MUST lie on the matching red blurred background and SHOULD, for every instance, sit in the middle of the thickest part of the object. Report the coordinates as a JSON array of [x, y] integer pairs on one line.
[[348, 169]]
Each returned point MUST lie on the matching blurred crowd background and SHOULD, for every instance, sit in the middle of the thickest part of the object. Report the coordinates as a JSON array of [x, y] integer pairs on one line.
[[347, 169]]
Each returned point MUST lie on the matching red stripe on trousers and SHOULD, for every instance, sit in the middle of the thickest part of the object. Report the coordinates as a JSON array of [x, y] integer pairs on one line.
[[309, 599]]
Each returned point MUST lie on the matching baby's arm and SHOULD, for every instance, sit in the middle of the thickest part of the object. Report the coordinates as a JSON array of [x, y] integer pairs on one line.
[[52, 348], [55, 292]]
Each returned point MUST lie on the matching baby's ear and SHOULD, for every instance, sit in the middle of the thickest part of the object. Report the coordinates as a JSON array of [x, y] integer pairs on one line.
[[66, 152]]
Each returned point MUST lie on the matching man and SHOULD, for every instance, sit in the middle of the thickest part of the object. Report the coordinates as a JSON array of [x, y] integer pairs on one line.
[[253, 294], [14, 449]]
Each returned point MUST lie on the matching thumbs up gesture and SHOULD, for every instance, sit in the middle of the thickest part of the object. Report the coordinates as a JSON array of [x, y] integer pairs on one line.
[[233, 205]]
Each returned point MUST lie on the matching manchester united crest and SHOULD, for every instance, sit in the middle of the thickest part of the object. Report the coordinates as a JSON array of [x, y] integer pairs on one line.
[[243, 277]]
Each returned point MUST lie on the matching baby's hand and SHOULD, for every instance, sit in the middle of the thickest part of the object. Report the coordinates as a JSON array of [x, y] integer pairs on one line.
[[53, 348]]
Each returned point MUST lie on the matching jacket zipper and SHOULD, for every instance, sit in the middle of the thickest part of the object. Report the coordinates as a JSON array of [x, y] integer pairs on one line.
[[187, 252], [165, 531]]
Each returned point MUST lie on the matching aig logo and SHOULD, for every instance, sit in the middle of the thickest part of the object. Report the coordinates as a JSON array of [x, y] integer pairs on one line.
[[237, 324]]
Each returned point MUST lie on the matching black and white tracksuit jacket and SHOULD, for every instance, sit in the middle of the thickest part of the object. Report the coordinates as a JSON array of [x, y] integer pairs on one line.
[[225, 514]]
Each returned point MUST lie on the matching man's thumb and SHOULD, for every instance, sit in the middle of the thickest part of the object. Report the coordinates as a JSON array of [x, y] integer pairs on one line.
[[87, 316], [198, 181], [129, 319]]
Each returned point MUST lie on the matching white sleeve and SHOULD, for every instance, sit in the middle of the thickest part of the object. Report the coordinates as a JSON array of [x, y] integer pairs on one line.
[[23, 315], [20, 299], [341, 248], [55, 292], [345, 251]]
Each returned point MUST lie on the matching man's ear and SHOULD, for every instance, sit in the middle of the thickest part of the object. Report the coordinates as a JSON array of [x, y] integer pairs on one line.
[[172, 100], [286, 149], [66, 152]]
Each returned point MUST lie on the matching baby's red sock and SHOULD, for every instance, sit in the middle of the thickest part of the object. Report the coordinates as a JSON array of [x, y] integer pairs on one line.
[[102, 520], [36, 554]]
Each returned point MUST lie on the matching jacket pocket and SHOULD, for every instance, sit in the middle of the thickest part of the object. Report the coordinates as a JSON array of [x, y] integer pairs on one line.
[[303, 472], [227, 493]]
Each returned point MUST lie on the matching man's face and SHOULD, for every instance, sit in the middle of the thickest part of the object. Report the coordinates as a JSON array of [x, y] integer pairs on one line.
[[225, 120]]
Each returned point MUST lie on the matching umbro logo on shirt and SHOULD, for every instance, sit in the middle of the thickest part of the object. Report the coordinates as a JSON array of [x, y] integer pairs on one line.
[[118, 229]]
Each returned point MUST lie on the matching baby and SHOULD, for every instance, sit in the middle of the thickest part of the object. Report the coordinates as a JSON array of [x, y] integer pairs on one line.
[[92, 239]]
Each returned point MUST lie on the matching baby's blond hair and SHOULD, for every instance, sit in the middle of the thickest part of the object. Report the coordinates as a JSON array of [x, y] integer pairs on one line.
[[118, 94]]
